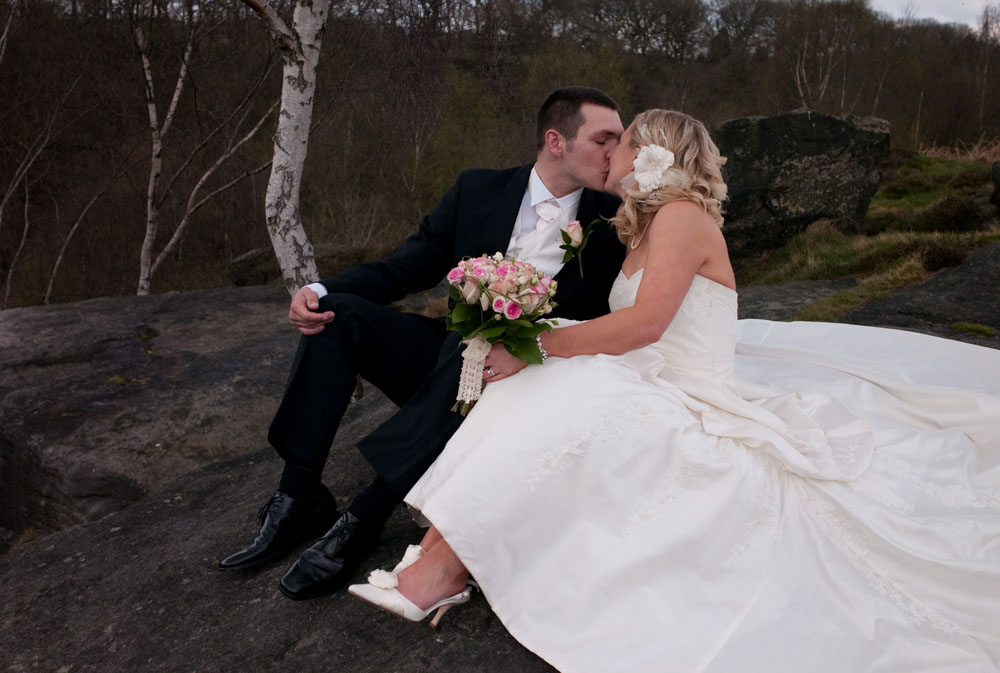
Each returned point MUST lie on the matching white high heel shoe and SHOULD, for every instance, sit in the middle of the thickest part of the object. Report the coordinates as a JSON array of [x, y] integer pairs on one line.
[[391, 600]]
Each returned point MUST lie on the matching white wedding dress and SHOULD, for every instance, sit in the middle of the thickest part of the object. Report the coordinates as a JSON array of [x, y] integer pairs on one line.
[[737, 497]]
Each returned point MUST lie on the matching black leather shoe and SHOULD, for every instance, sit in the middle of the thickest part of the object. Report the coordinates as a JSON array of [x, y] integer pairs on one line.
[[329, 563], [284, 522]]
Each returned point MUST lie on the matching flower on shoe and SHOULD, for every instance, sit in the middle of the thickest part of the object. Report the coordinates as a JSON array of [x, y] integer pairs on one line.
[[383, 579], [651, 165]]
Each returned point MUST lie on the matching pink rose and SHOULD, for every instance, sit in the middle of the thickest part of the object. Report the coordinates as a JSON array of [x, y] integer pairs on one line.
[[456, 275], [513, 310], [499, 304]]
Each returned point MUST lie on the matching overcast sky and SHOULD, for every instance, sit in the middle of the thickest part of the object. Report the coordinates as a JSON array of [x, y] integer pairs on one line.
[[945, 11]]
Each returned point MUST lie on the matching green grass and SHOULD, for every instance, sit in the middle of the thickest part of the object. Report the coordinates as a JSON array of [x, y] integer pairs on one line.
[[936, 166], [873, 287], [918, 182], [894, 200], [881, 264], [827, 254], [974, 329]]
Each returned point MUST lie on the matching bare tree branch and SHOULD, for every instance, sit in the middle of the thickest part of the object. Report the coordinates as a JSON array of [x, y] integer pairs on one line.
[[36, 147], [123, 167], [193, 205], [20, 248], [6, 31], [242, 105], [286, 39]]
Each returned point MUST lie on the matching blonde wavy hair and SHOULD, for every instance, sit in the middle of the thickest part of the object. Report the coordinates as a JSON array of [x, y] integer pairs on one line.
[[697, 170]]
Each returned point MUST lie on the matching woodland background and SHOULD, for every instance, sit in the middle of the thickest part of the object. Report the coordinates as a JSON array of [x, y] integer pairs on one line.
[[409, 93]]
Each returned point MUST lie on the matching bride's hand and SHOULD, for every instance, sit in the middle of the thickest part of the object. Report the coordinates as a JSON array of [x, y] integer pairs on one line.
[[501, 363]]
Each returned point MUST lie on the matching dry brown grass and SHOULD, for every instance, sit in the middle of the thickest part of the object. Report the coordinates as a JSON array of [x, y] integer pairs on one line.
[[982, 150]]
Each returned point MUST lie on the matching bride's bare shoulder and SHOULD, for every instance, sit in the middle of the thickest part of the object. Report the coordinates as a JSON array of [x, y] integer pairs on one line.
[[686, 215]]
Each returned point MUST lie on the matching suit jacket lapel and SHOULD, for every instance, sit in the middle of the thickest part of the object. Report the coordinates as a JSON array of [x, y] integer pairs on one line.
[[500, 224]]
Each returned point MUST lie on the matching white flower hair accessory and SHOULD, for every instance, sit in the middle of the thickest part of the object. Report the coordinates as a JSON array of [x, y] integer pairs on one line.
[[654, 168], [651, 165]]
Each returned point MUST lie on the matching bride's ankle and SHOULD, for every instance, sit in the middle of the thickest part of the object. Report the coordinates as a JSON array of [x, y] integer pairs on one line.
[[424, 589]]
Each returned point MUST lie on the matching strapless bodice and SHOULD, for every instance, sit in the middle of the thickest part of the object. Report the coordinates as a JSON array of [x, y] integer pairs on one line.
[[701, 339]]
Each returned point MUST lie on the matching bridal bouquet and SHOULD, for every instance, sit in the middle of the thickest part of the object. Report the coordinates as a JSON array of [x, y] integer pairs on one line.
[[496, 299]]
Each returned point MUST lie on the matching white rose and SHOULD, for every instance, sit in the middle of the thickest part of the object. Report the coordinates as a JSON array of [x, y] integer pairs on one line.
[[575, 233], [470, 292]]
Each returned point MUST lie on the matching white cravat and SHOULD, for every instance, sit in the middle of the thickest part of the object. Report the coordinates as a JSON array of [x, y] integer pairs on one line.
[[548, 212]]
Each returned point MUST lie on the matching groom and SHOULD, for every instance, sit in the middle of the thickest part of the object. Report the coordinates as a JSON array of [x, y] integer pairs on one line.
[[348, 331]]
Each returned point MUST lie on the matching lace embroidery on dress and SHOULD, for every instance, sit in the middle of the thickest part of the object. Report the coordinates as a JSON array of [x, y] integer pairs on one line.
[[877, 487], [696, 453], [606, 429], [843, 534], [955, 496], [765, 521]]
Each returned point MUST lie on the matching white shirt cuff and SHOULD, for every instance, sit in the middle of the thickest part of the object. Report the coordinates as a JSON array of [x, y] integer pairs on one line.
[[318, 288]]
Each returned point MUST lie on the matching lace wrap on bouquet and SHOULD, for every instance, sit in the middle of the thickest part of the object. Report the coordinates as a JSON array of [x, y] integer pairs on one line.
[[470, 383]]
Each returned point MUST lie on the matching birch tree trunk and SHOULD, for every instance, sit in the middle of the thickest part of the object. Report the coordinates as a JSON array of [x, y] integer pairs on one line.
[[300, 48], [158, 131]]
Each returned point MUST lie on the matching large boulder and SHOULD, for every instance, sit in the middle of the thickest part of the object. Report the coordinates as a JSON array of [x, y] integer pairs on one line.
[[789, 170], [103, 401]]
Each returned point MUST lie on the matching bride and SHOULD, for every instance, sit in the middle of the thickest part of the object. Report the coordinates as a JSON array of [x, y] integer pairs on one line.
[[673, 490]]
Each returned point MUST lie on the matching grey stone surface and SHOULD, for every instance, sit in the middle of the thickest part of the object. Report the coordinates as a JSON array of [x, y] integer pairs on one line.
[[103, 401], [788, 170], [139, 590]]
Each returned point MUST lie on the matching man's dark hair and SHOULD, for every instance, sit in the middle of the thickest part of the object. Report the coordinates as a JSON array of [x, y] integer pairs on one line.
[[561, 111]]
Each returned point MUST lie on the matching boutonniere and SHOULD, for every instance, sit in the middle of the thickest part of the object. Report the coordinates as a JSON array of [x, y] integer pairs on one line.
[[575, 239]]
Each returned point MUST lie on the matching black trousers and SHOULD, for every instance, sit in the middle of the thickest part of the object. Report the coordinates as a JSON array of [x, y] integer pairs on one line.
[[410, 358]]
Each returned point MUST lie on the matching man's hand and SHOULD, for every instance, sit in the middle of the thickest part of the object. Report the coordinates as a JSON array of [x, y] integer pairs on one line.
[[501, 363], [302, 313]]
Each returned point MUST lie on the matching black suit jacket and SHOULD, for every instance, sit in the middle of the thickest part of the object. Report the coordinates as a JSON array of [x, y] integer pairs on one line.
[[476, 216]]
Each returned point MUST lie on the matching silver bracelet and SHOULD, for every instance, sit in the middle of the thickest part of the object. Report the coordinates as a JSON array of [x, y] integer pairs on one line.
[[541, 349]]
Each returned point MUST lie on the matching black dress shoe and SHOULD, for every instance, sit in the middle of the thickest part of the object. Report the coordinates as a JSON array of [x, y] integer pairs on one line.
[[284, 522], [329, 563]]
